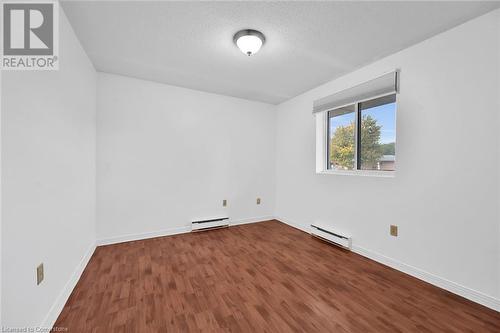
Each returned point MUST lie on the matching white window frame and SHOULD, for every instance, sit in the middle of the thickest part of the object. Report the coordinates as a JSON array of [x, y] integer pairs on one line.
[[322, 143]]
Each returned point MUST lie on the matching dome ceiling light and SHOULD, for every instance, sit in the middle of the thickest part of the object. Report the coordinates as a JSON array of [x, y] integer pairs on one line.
[[249, 41]]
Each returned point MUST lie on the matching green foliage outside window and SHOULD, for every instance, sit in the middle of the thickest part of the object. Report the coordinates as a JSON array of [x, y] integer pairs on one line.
[[342, 146]]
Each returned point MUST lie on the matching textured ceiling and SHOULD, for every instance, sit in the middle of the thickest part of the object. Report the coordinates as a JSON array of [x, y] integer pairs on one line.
[[189, 44]]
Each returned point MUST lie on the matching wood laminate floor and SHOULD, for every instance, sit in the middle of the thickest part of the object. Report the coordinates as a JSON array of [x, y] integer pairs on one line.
[[262, 277]]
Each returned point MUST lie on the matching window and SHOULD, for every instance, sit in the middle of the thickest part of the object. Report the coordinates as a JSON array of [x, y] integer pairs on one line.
[[356, 128], [362, 136], [341, 138], [377, 148]]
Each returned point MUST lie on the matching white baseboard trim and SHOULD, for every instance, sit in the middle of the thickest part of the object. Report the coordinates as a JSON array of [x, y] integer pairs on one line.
[[251, 220], [143, 235], [470, 294], [61, 300], [170, 231], [296, 225], [435, 280]]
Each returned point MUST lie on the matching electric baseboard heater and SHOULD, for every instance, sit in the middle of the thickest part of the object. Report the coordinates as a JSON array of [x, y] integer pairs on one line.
[[330, 235], [209, 224]]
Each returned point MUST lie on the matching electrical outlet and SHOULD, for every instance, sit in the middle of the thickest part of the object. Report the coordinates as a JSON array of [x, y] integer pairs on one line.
[[39, 274], [224, 203], [394, 230], [258, 201]]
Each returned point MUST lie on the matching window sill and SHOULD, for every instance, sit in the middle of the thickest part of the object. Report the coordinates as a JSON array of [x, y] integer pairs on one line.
[[362, 173]]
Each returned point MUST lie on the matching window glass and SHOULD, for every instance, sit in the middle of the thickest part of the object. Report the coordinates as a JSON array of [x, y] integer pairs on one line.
[[341, 142], [377, 127]]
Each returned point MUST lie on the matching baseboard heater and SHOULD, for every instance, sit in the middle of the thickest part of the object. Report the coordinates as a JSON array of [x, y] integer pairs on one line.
[[209, 224], [330, 235]]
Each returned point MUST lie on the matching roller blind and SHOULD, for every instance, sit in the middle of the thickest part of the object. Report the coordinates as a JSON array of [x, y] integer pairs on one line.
[[385, 84]]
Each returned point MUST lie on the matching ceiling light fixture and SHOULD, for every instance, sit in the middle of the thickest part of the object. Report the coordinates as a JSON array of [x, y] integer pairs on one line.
[[249, 41]]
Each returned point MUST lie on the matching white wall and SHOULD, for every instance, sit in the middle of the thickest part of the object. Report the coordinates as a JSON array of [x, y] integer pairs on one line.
[[498, 155], [445, 196], [1, 223], [167, 154], [48, 182]]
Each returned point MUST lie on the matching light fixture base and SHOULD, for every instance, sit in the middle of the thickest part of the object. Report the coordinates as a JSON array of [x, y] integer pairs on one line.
[[249, 32]]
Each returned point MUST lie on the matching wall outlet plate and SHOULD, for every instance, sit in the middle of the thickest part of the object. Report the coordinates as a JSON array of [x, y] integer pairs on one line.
[[394, 230], [39, 274], [258, 201], [224, 203]]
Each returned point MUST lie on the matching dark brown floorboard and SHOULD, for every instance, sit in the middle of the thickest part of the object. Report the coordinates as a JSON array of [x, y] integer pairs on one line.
[[262, 277]]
